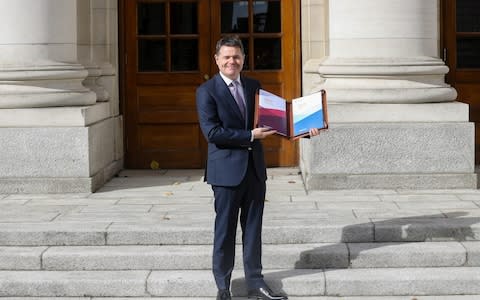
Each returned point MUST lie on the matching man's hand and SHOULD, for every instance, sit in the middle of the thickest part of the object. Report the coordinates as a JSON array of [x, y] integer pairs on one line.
[[314, 131], [262, 132]]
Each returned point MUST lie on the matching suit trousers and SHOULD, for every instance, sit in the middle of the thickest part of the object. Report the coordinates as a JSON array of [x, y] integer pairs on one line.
[[247, 199]]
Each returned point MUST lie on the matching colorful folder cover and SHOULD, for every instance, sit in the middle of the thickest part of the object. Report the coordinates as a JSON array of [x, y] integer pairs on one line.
[[291, 119]]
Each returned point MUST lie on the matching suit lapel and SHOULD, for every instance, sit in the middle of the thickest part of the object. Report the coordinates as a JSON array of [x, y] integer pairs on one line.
[[224, 93]]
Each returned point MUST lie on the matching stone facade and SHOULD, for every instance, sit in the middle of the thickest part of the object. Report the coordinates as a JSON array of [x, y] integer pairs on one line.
[[393, 121]]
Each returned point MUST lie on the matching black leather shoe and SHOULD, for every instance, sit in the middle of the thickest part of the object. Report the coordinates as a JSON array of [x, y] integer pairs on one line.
[[224, 295], [264, 293]]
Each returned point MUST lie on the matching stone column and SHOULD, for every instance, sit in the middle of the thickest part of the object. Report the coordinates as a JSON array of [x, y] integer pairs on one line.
[[394, 121], [38, 55], [91, 39], [55, 137], [385, 52], [105, 53]]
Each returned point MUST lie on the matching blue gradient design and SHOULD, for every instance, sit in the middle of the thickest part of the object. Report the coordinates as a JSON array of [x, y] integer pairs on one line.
[[314, 120]]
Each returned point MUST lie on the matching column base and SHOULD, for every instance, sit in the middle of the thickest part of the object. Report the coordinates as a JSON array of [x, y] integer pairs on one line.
[[385, 80], [390, 181], [53, 185], [392, 148], [47, 155], [45, 85]]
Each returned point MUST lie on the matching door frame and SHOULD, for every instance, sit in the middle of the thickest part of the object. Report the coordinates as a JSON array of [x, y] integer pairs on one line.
[[122, 76], [464, 80], [121, 68]]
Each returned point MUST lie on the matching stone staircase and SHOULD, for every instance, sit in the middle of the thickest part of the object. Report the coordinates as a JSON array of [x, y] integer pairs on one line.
[[312, 250]]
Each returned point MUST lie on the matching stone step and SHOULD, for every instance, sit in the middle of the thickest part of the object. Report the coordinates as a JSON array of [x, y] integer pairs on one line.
[[413, 297], [199, 283], [284, 256], [278, 231]]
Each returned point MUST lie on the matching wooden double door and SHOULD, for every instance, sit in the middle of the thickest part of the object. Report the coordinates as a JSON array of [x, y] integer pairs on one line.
[[168, 49], [461, 52]]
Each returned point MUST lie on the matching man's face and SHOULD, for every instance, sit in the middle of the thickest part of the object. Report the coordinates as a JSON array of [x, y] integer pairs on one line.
[[230, 61]]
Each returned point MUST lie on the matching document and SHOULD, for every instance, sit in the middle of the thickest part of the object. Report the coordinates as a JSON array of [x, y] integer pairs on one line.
[[291, 119]]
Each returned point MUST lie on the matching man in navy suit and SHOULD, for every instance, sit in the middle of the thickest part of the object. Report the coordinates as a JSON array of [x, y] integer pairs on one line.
[[235, 168]]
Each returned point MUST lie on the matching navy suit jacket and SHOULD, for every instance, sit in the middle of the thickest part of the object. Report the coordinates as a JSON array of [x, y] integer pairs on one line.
[[227, 133]]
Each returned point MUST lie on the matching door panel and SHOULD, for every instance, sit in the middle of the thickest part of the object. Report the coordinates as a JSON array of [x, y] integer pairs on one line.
[[169, 47], [156, 104], [461, 40], [165, 47]]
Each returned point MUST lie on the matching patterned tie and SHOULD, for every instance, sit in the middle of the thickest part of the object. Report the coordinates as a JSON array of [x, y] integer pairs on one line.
[[238, 96]]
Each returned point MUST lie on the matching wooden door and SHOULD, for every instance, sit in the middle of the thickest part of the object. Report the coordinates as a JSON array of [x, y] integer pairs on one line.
[[461, 46], [168, 48], [165, 46]]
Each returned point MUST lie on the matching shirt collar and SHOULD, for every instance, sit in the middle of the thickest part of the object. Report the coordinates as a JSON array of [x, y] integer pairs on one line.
[[228, 80]]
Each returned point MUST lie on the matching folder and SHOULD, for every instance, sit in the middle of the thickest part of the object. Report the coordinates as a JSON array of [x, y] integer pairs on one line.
[[291, 119]]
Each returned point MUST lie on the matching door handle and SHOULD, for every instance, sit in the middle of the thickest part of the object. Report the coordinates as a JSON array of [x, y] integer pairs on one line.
[[206, 77]]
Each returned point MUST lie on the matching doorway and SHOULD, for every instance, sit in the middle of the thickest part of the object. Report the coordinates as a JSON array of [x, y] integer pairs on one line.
[[168, 49]]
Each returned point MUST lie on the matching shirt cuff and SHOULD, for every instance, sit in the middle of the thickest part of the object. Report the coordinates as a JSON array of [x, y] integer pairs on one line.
[[252, 136]]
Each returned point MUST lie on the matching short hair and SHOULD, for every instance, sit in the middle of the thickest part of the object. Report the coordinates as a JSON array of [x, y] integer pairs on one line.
[[230, 41]]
